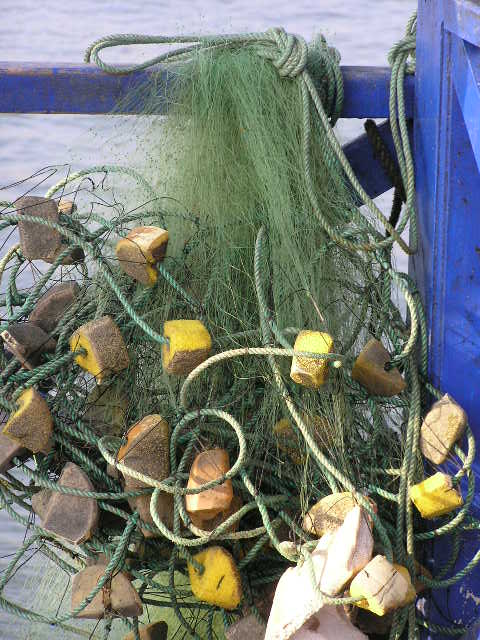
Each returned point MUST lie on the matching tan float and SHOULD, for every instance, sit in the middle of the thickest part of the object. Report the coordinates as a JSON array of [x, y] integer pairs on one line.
[[329, 513], [154, 631], [297, 597], [31, 425], [330, 623], [442, 427], [349, 551], [37, 241], [292, 443], [207, 466], [118, 599], [140, 251], [213, 523], [220, 583], [53, 305], [369, 371], [147, 451], [106, 352], [289, 442], [9, 449], [382, 587], [189, 344], [66, 207], [27, 343], [311, 372], [113, 472], [74, 518], [40, 502]]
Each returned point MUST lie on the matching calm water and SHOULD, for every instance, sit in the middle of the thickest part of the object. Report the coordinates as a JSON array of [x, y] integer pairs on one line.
[[54, 30]]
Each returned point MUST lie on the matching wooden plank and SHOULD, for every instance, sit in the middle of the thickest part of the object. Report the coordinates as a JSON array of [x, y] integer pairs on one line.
[[462, 17], [29, 87]]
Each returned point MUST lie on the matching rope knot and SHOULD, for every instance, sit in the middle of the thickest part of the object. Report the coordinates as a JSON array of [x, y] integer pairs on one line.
[[291, 53]]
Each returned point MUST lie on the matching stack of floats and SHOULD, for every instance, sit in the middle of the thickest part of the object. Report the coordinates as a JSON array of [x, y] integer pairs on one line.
[[236, 515], [345, 558]]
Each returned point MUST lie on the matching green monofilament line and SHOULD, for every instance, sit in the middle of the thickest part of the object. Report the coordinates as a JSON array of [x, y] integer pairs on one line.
[[266, 239]]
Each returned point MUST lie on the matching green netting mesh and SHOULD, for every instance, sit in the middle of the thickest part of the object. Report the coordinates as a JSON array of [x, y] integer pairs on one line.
[[267, 238]]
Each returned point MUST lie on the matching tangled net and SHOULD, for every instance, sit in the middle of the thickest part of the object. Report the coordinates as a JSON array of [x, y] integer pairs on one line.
[[266, 239]]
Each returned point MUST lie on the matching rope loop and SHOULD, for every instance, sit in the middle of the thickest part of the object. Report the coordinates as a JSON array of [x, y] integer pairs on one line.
[[292, 53]]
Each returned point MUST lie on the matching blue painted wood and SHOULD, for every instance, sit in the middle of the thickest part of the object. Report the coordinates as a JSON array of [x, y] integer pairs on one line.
[[69, 88], [447, 268], [367, 91], [466, 79], [367, 168], [462, 17]]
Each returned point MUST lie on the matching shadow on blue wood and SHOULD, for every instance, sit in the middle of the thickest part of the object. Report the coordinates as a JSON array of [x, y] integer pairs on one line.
[[366, 166], [68, 88]]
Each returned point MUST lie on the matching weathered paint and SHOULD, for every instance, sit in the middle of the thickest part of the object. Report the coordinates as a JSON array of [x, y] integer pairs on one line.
[[462, 17], [466, 79], [447, 268], [69, 88]]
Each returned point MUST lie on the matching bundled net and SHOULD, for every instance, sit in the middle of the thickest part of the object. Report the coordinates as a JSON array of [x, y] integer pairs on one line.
[[270, 234]]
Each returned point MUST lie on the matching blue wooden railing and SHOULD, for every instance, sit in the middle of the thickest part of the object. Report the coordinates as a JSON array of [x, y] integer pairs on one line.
[[30, 87], [444, 101]]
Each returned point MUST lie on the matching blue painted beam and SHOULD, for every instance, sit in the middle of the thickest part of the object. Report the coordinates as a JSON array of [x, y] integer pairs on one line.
[[466, 79], [367, 168], [367, 92], [84, 89], [462, 17]]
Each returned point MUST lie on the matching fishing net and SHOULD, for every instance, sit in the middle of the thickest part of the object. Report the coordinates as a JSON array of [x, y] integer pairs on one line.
[[270, 233]]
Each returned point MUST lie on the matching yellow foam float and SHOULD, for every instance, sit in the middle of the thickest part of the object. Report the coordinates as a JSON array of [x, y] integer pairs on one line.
[[311, 372], [105, 349], [189, 344], [219, 583], [31, 425], [436, 496]]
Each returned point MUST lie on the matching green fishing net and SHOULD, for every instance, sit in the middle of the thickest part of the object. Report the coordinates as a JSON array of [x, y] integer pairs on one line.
[[270, 234]]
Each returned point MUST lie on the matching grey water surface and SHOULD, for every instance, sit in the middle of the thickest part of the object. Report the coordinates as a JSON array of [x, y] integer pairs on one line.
[[60, 30]]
